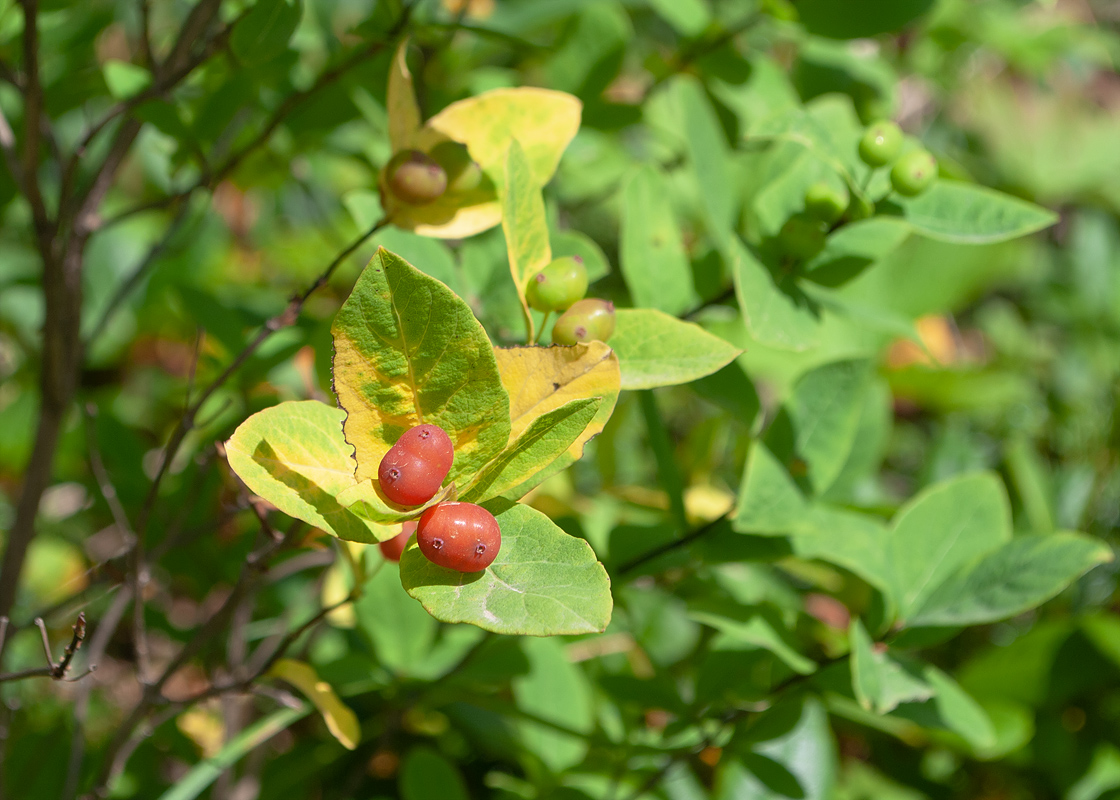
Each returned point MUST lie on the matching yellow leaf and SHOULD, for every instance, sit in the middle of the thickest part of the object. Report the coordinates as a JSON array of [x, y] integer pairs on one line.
[[400, 100], [525, 227], [336, 588], [541, 379], [203, 727], [341, 721]]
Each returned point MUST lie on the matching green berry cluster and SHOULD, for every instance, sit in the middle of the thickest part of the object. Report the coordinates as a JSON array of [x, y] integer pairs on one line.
[[419, 178], [912, 173], [561, 286]]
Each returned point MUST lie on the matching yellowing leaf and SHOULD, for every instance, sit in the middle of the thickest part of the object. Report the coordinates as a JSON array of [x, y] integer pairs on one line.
[[295, 457], [336, 588], [408, 351], [542, 379], [365, 500], [525, 226], [542, 120], [400, 102], [203, 727], [341, 721]]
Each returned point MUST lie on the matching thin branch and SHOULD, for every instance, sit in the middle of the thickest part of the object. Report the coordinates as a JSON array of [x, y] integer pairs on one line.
[[687, 539]]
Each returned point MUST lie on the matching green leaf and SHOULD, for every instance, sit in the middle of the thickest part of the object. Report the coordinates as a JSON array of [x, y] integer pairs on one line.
[[709, 155], [125, 79], [758, 631], [958, 711], [400, 101], [546, 439], [770, 503], [543, 379], [524, 224], [968, 214], [1022, 574], [341, 721], [651, 254], [803, 745], [295, 457], [777, 314], [655, 349], [879, 681], [263, 33], [543, 582], [201, 775], [575, 243], [1102, 776], [688, 17], [855, 247], [856, 542], [858, 19], [408, 351], [940, 530], [557, 691], [823, 418], [401, 632], [425, 774]]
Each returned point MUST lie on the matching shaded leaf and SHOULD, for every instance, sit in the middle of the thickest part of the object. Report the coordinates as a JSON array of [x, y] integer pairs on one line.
[[555, 690], [425, 774], [965, 213], [400, 102], [775, 313], [263, 33], [879, 681]]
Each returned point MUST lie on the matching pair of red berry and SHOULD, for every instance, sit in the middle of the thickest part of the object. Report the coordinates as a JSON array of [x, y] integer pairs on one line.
[[461, 536]]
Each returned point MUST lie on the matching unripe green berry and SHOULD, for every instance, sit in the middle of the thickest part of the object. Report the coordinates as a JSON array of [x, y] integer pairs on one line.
[[558, 285], [914, 173], [802, 236], [415, 178], [587, 320], [825, 201], [880, 143], [463, 174], [859, 208]]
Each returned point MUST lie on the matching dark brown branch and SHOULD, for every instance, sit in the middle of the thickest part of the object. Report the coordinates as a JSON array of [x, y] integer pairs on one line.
[[668, 547]]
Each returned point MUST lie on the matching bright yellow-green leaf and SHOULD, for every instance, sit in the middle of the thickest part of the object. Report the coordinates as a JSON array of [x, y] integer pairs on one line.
[[542, 379], [409, 351], [341, 721], [543, 582], [525, 226], [295, 457], [365, 500], [542, 120], [400, 101], [546, 439]]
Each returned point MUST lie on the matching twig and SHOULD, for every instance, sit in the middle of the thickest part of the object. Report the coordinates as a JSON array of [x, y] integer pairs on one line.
[[703, 530]]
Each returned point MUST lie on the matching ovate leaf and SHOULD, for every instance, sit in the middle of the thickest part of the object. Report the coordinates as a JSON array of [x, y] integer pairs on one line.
[[546, 439], [542, 379], [652, 255], [940, 530], [557, 691], [125, 79], [770, 502], [367, 501], [1022, 574], [759, 631], [408, 351], [655, 349], [341, 721], [425, 774], [968, 214], [543, 582], [295, 456], [263, 33], [855, 247]]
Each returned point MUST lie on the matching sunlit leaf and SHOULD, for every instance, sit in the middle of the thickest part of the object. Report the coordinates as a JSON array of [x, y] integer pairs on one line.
[[341, 721]]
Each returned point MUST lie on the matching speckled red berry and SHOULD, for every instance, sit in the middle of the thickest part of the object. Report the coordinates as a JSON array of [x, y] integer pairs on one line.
[[459, 536], [415, 467]]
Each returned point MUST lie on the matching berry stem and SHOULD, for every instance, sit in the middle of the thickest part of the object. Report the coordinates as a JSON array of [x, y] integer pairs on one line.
[[540, 332]]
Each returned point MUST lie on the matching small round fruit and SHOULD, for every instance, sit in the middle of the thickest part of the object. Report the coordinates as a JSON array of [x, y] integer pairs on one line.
[[414, 468], [880, 143], [859, 208], [587, 320], [463, 173], [557, 286], [914, 173], [825, 201], [460, 536], [802, 236], [393, 548], [415, 178]]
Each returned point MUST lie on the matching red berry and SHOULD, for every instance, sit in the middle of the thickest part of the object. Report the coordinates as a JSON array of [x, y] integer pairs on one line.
[[460, 536], [415, 467], [392, 548]]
